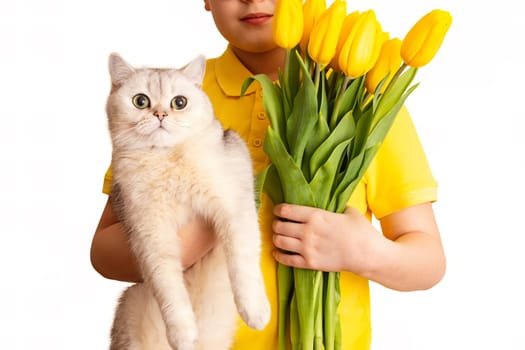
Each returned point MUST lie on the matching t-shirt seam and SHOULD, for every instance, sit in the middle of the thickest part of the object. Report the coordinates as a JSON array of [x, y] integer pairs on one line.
[[405, 198]]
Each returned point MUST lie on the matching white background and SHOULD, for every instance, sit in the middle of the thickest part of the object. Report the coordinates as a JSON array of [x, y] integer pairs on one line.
[[54, 150]]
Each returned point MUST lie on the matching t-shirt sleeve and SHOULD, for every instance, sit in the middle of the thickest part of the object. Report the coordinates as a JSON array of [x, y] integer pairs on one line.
[[108, 180], [400, 175]]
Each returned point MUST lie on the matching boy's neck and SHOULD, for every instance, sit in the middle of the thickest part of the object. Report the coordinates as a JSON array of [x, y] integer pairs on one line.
[[268, 62]]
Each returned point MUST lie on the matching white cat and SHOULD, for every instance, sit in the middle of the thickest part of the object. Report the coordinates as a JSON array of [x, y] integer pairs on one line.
[[172, 160]]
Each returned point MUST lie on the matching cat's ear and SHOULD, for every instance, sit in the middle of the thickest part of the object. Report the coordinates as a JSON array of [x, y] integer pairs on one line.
[[119, 69], [195, 69]]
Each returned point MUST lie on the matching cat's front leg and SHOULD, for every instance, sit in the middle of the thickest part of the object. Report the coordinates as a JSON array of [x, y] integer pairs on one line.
[[175, 305], [241, 240], [157, 249]]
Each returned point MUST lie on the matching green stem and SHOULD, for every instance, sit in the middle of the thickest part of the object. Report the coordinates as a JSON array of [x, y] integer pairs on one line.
[[366, 99], [398, 72], [284, 283], [334, 118], [308, 290], [368, 96], [295, 331], [317, 77], [285, 83], [319, 315], [330, 310]]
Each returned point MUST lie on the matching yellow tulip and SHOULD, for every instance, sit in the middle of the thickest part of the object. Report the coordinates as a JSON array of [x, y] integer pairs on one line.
[[348, 23], [325, 33], [287, 25], [385, 36], [424, 39], [388, 62], [312, 10], [361, 48]]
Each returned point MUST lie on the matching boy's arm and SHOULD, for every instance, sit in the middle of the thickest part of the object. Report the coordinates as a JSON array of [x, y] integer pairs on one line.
[[412, 256], [111, 254], [408, 256]]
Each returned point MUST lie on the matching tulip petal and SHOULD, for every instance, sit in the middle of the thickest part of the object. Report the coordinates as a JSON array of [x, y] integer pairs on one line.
[[425, 38], [325, 33], [359, 51], [288, 23], [312, 10]]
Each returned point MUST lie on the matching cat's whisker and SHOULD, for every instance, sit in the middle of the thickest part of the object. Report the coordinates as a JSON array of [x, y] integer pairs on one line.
[[177, 122]]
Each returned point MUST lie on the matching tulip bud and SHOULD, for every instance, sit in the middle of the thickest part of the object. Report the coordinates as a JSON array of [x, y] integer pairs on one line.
[[424, 39], [325, 33], [388, 62], [287, 26], [348, 23], [362, 46], [312, 10]]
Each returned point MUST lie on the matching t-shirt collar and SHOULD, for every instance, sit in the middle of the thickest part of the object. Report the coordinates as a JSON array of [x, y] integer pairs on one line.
[[231, 74]]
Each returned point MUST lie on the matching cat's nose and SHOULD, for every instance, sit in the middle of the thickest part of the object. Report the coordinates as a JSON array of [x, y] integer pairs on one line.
[[160, 114]]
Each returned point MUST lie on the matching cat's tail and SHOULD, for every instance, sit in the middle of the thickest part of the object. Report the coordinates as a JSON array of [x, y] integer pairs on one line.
[[138, 322]]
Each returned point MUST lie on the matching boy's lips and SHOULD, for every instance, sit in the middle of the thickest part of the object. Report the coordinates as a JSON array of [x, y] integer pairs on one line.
[[256, 18]]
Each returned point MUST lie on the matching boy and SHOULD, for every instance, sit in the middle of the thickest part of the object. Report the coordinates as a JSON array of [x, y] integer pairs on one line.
[[398, 189]]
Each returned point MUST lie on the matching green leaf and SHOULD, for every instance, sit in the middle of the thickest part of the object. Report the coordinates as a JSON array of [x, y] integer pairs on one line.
[[285, 94], [272, 185], [379, 87], [349, 98], [293, 73], [334, 81], [346, 100], [260, 180], [323, 180], [364, 122], [294, 186], [345, 130], [319, 134], [393, 92], [368, 142], [272, 101], [321, 129], [302, 119], [354, 176], [344, 181], [322, 96], [382, 126]]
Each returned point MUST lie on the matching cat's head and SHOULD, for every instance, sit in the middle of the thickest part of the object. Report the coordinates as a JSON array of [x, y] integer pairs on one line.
[[152, 107]]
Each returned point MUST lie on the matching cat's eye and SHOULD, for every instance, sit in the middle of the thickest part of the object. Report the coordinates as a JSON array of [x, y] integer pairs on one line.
[[141, 101], [179, 102]]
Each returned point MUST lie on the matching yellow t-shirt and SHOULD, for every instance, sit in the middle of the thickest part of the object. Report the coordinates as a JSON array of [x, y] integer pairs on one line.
[[399, 177]]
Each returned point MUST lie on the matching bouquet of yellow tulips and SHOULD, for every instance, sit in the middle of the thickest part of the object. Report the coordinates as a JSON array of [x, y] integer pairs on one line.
[[342, 85]]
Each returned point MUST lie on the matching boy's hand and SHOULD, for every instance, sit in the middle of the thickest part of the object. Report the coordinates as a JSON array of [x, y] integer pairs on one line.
[[317, 239]]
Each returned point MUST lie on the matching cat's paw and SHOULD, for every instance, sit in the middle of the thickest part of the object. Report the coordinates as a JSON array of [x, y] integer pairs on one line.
[[183, 340], [255, 309]]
